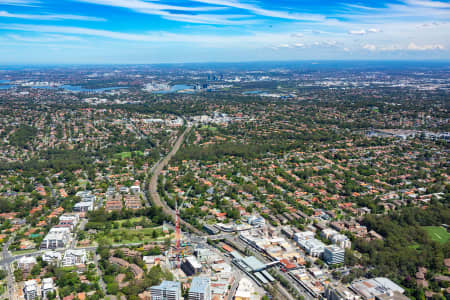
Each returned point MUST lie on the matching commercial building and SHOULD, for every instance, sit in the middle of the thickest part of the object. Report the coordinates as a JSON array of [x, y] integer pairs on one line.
[[256, 221], [378, 288], [340, 292], [333, 255], [312, 247], [167, 290], [200, 289], [191, 266], [245, 290], [303, 236]]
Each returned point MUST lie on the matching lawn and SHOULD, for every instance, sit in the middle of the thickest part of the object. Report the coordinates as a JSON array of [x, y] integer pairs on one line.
[[124, 155], [127, 235], [437, 234], [212, 128]]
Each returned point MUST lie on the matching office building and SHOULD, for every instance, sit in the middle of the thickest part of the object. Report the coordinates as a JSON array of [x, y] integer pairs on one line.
[[333, 255], [339, 292], [200, 289], [191, 266], [167, 290]]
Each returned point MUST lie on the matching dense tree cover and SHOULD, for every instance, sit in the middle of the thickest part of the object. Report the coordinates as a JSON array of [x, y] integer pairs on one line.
[[133, 287], [406, 245], [100, 219], [22, 136], [69, 282]]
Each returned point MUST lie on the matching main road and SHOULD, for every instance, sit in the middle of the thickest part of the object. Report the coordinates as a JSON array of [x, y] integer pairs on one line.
[[153, 186]]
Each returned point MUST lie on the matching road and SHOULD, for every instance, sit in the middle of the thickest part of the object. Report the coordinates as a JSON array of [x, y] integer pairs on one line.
[[6, 264], [153, 186], [99, 272], [52, 191]]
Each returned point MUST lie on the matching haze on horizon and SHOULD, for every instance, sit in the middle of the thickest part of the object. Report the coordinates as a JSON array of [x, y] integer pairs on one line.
[[169, 31]]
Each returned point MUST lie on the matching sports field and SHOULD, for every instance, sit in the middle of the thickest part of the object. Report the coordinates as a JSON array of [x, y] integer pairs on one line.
[[437, 233]]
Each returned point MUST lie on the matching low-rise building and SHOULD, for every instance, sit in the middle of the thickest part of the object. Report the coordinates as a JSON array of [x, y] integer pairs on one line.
[[113, 205], [378, 288], [30, 289], [340, 292], [73, 257], [51, 257], [245, 290], [47, 287], [26, 263], [56, 238]]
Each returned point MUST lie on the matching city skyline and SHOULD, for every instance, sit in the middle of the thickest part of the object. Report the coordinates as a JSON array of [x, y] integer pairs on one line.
[[137, 31]]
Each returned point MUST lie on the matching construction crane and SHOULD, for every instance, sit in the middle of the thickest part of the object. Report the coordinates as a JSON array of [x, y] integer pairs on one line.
[[177, 226]]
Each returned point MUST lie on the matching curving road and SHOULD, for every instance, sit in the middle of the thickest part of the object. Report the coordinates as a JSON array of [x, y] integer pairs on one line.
[[153, 186]]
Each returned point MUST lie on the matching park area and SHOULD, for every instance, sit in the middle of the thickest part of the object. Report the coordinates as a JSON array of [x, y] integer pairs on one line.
[[129, 236], [437, 234]]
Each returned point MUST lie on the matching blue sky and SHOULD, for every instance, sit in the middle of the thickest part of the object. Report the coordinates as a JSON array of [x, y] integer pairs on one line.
[[173, 31]]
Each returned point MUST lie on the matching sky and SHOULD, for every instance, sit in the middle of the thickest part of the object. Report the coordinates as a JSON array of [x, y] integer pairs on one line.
[[181, 31]]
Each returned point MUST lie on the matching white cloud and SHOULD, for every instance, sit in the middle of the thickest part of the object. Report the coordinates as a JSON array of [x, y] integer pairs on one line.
[[298, 35], [166, 12], [433, 4], [431, 25], [357, 32], [147, 7], [257, 39], [413, 46], [370, 47], [264, 12], [19, 2], [410, 47], [47, 38], [373, 30], [55, 17]]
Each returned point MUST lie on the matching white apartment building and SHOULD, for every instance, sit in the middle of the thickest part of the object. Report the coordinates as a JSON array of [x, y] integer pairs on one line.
[[73, 257]]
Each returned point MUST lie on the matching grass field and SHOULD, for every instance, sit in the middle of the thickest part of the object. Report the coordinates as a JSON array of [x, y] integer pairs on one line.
[[124, 155], [212, 128], [437, 233], [127, 235]]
